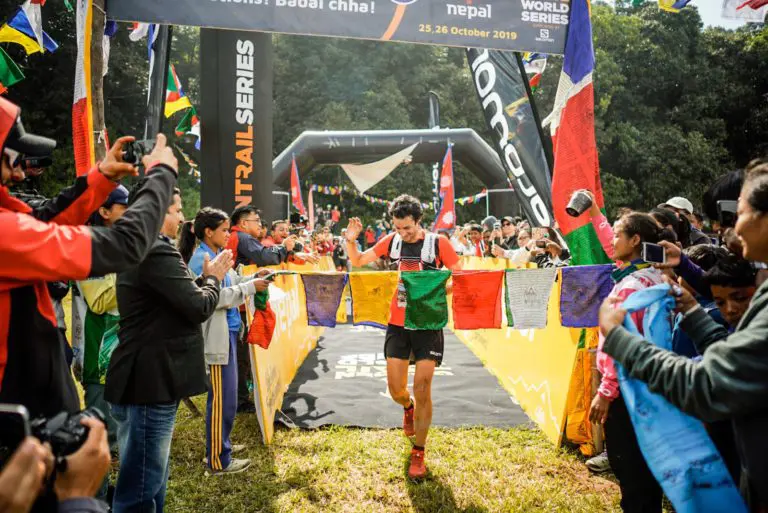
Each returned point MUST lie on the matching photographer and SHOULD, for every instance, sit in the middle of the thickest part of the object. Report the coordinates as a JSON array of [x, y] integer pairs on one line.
[[34, 251]]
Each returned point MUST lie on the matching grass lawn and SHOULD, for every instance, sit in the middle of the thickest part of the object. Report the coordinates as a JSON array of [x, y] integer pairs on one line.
[[342, 469]]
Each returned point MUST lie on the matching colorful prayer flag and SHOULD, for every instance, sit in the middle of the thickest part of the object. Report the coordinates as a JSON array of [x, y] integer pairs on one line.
[[35, 16], [189, 124], [9, 72], [175, 99], [140, 31], [372, 294], [19, 29], [477, 299], [573, 135], [82, 115], [426, 302], [446, 216], [298, 202], [323, 294], [527, 297], [582, 292], [672, 5]]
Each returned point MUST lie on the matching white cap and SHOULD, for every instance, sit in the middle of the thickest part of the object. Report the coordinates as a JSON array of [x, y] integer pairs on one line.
[[680, 203]]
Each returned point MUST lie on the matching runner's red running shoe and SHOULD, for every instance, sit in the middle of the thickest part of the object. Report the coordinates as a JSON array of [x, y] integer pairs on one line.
[[417, 469], [408, 428]]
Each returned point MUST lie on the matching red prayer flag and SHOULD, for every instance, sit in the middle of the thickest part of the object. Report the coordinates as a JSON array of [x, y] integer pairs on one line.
[[477, 299], [262, 327]]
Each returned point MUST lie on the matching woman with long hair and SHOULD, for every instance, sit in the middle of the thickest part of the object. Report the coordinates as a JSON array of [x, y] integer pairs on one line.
[[731, 380], [640, 492], [200, 240]]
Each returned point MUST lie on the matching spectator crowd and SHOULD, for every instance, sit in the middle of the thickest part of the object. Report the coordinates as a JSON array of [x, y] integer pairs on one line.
[[164, 321]]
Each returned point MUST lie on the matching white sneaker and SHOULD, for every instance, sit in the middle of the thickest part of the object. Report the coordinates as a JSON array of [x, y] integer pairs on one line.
[[235, 466], [599, 463], [235, 449]]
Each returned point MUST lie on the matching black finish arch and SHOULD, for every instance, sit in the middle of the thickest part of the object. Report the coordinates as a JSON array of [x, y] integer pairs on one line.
[[316, 148]]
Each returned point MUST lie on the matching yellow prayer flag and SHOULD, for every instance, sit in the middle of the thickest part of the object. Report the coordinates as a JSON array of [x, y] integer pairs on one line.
[[9, 34], [371, 296]]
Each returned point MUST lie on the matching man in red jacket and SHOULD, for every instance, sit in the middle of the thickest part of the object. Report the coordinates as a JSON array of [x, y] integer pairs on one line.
[[51, 243]]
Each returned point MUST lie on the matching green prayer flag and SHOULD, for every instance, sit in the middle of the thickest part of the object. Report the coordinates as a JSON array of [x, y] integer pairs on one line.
[[426, 303], [260, 299], [9, 71], [69, 6]]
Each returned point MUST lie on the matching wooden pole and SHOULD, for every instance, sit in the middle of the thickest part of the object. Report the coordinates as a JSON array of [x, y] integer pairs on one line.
[[98, 20]]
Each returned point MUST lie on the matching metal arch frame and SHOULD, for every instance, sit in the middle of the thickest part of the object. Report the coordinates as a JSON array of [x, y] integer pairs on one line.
[[315, 148]]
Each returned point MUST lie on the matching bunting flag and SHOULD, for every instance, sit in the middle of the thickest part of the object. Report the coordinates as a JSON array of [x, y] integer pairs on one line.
[[472, 199], [175, 99], [446, 216], [19, 29], [296, 198], [534, 62], [672, 5], [372, 294], [9, 72], [82, 113], [139, 31], [263, 324], [573, 135], [323, 294], [426, 303], [477, 299], [338, 190], [528, 297], [582, 292]]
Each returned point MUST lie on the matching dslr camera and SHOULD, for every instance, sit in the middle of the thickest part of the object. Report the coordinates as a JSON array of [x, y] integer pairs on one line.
[[63, 431], [134, 151]]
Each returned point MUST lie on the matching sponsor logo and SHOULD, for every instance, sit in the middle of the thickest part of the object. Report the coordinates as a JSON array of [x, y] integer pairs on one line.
[[484, 74]]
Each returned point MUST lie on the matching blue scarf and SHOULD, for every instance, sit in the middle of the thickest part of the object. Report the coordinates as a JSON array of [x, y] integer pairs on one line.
[[676, 446]]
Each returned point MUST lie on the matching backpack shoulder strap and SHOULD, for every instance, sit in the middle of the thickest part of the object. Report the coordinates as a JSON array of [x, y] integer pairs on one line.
[[429, 249], [396, 247]]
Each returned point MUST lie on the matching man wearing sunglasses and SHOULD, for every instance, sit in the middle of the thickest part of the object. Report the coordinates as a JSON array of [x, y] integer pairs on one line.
[[50, 243]]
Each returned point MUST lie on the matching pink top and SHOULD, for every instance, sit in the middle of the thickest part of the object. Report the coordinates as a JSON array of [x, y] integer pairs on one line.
[[638, 280]]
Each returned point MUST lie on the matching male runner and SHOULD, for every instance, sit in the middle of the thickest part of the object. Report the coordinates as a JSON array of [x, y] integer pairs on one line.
[[414, 249]]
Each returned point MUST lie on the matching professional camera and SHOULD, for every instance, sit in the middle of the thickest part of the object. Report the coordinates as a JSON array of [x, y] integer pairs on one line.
[[134, 151], [64, 431]]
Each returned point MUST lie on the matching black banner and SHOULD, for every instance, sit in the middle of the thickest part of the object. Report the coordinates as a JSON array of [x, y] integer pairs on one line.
[[503, 96], [236, 120], [524, 25]]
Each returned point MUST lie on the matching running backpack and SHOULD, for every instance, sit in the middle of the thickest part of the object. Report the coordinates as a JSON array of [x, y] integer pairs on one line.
[[428, 250]]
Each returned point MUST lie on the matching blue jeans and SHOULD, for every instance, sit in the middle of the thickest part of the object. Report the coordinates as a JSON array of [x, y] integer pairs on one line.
[[144, 437]]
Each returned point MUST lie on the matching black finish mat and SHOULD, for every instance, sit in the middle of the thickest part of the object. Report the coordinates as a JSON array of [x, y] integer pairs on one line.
[[343, 381]]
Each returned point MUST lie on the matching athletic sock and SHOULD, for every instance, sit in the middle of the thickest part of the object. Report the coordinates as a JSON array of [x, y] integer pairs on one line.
[[419, 448]]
